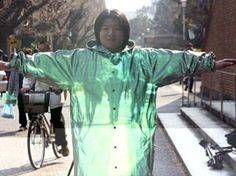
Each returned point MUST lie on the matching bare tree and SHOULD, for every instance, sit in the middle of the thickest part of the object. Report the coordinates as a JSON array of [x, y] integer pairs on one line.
[[15, 12], [69, 22], [73, 26]]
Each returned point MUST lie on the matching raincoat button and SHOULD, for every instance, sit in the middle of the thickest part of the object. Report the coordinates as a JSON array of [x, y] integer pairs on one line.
[[114, 127], [114, 109], [113, 90]]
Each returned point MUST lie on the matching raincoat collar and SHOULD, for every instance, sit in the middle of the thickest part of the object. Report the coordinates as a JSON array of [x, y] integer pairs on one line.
[[92, 45], [115, 58]]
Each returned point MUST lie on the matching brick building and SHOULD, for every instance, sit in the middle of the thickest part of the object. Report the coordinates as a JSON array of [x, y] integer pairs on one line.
[[221, 38]]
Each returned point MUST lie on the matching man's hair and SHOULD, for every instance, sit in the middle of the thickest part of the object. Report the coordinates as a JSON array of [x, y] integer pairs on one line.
[[27, 51], [189, 45], [123, 22]]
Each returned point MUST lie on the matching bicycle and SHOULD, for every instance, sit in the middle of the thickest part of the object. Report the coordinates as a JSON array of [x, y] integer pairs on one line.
[[216, 154], [41, 132]]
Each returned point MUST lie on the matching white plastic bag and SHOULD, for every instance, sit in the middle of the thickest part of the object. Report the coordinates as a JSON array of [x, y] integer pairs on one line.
[[9, 100], [8, 111]]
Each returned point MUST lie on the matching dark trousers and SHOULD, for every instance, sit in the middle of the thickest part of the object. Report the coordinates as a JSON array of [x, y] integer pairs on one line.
[[190, 83], [57, 119], [21, 109]]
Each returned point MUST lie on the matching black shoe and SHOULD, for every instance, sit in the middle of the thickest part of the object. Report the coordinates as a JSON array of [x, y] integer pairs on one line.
[[22, 128], [64, 150]]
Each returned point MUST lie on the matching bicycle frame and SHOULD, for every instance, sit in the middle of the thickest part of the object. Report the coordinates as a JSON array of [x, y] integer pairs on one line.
[[215, 153], [48, 129]]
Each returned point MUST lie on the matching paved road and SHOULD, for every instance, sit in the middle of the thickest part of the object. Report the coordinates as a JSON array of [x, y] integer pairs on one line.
[[14, 157], [13, 151]]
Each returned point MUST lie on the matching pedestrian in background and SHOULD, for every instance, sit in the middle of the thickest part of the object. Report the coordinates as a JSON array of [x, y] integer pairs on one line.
[[125, 146], [188, 80], [20, 102], [14, 85], [56, 102]]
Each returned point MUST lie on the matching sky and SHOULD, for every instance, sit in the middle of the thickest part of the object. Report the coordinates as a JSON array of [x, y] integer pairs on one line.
[[127, 6]]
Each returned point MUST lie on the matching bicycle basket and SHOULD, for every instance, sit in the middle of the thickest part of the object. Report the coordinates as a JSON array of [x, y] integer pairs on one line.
[[36, 102]]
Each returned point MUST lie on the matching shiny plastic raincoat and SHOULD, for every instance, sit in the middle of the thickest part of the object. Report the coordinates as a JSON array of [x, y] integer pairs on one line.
[[113, 100]]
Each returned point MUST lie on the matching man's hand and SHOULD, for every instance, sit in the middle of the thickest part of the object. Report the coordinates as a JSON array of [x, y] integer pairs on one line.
[[5, 66], [55, 90], [223, 63], [24, 90]]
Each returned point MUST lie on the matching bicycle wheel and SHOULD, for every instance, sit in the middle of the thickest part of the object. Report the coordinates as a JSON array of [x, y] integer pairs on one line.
[[36, 143], [56, 150]]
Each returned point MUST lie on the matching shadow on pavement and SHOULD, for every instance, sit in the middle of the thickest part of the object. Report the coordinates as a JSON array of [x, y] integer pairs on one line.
[[24, 169], [15, 171], [10, 133], [170, 107]]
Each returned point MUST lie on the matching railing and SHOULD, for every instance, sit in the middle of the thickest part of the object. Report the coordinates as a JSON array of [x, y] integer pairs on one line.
[[217, 98], [222, 97]]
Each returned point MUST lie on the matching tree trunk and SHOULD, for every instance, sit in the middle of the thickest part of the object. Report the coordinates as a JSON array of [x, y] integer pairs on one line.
[[4, 40]]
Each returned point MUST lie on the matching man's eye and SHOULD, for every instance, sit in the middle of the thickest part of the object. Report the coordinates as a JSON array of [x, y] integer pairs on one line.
[[118, 29], [104, 28]]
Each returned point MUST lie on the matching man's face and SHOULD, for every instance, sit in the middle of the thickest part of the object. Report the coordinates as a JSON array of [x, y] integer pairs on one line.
[[43, 48], [111, 35]]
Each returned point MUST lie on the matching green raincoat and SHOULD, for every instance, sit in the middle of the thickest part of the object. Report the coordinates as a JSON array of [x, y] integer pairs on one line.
[[113, 100]]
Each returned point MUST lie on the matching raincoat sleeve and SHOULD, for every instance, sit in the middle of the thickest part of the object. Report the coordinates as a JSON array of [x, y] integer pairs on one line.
[[164, 66], [54, 68]]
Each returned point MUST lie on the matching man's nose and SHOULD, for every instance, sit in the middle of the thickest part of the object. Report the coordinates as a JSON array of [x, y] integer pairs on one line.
[[110, 31]]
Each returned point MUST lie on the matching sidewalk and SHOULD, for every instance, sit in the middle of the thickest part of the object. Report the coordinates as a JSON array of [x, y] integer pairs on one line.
[[14, 158], [13, 150], [185, 128]]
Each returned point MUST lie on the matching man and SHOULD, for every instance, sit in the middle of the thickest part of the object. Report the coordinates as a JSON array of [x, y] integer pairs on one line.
[[55, 102], [189, 79]]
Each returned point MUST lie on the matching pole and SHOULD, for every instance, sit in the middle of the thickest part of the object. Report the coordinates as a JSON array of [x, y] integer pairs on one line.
[[184, 4], [183, 14]]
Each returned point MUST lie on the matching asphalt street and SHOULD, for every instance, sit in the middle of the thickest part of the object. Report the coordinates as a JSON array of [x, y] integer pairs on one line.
[[13, 151], [13, 147]]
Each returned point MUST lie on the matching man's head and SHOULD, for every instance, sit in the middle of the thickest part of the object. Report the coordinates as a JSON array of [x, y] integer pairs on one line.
[[27, 51], [112, 30], [44, 47], [189, 46]]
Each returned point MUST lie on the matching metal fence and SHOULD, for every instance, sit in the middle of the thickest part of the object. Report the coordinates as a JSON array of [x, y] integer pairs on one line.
[[220, 99]]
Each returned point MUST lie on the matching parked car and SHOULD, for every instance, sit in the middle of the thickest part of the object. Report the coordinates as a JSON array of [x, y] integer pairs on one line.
[[3, 81]]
